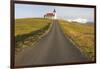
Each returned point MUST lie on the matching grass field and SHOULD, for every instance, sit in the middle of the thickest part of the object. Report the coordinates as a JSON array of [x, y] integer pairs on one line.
[[29, 30], [82, 35]]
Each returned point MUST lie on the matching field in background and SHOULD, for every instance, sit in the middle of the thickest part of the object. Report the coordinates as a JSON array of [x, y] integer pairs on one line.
[[82, 35], [29, 30]]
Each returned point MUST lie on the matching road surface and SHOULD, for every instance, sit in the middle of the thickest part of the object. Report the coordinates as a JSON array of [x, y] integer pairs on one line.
[[54, 48]]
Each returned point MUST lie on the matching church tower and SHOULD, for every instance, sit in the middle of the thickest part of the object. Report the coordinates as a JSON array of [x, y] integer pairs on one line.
[[54, 12]]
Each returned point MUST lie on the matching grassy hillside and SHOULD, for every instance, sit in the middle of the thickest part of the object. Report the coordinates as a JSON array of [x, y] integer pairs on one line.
[[82, 35], [29, 30], [23, 26]]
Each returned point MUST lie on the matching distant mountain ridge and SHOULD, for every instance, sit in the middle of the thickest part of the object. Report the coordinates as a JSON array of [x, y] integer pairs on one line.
[[79, 20]]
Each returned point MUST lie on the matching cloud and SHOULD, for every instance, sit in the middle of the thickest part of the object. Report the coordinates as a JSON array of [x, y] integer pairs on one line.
[[79, 20]]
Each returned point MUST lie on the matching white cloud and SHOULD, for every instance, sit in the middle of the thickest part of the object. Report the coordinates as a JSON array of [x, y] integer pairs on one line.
[[79, 20]]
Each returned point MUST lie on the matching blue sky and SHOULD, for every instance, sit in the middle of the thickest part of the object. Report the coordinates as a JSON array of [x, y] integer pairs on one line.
[[30, 11]]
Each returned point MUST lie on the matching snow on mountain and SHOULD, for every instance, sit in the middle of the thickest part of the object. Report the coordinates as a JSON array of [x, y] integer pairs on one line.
[[79, 20]]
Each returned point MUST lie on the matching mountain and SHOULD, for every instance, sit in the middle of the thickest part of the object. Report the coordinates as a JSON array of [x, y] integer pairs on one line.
[[79, 20]]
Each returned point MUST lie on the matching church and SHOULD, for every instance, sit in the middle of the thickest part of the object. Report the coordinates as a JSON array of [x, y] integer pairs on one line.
[[51, 15]]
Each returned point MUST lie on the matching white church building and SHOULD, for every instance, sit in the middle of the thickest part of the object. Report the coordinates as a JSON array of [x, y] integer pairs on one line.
[[51, 15]]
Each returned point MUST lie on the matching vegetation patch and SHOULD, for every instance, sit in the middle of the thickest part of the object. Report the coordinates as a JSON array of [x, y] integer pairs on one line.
[[28, 31], [82, 35]]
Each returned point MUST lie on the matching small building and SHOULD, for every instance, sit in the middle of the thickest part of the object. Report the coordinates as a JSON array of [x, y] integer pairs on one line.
[[51, 15]]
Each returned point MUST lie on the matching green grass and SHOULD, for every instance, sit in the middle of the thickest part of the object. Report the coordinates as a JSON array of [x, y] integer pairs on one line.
[[29, 30], [82, 35]]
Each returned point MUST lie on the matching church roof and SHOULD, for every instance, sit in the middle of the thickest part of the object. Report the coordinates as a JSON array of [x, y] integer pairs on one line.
[[49, 14]]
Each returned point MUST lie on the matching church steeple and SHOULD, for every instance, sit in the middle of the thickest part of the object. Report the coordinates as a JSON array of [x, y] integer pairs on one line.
[[54, 11]]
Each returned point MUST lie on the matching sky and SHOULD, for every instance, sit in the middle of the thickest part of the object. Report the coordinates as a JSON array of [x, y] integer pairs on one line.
[[30, 11]]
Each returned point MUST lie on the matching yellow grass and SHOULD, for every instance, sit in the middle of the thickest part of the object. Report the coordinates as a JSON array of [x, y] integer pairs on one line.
[[82, 35], [26, 25], [29, 30]]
